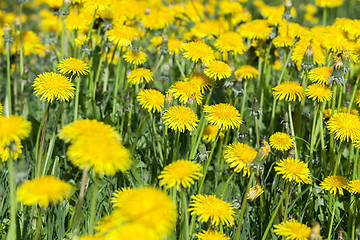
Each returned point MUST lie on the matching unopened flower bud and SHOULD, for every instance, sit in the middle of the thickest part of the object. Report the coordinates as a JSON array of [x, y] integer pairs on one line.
[[308, 60], [287, 12], [346, 60], [337, 74]]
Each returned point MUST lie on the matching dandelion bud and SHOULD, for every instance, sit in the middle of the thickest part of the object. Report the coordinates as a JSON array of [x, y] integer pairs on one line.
[[254, 192], [315, 232], [164, 45], [337, 74], [98, 95], [65, 8], [345, 56], [308, 60], [265, 150], [7, 38], [287, 12]]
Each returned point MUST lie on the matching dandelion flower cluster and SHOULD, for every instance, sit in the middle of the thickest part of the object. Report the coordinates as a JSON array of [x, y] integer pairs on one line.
[[122, 35], [281, 141], [246, 72], [180, 173], [212, 235], [44, 190], [293, 170], [289, 91], [185, 91], [212, 208], [180, 117], [151, 99], [223, 115], [196, 51], [293, 230], [53, 85], [334, 184], [135, 57], [230, 42], [239, 156], [73, 66], [202, 81]]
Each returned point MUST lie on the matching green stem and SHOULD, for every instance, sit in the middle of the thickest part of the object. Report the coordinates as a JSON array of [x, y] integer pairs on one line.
[[227, 185], [176, 145], [39, 224], [292, 130], [93, 206], [77, 94], [157, 138], [332, 219], [8, 74], [313, 135], [43, 128], [116, 85], [273, 215], [142, 121], [353, 94], [243, 100], [13, 204], [243, 206], [324, 16], [337, 163], [257, 132], [287, 200], [185, 213], [62, 38]]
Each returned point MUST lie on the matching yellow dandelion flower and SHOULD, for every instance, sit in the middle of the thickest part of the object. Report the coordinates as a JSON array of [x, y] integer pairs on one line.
[[354, 186], [135, 58], [100, 5], [84, 128], [179, 118], [327, 113], [195, 51], [328, 3], [318, 92], [132, 231], [202, 81], [218, 70], [254, 192], [13, 150], [30, 42], [44, 190], [210, 132], [185, 91], [158, 18], [239, 156], [175, 46], [118, 194], [212, 208], [73, 66], [53, 85], [81, 40], [256, 29], [265, 150], [180, 173], [289, 91], [151, 99], [334, 184], [293, 230], [281, 141], [246, 72], [292, 29], [230, 42], [300, 49], [283, 41], [293, 170], [211, 235], [223, 115], [78, 21], [122, 35], [230, 7], [145, 207], [320, 74], [344, 126], [138, 75]]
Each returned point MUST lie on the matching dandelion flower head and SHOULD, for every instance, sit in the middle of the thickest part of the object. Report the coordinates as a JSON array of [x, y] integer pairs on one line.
[[320, 75], [223, 115], [218, 70], [135, 57], [329, 3], [255, 192], [293, 170], [211, 131], [318, 92], [281, 141], [300, 49], [257, 29], [344, 126], [145, 207], [122, 35], [212, 235], [151, 99], [180, 117], [186, 90], [283, 41], [212, 208], [202, 81], [334, 184], [195, 51], [44, 190], [73, 66], [53, 85], [354, 186], [289, 91], [293, 230], [239, 156], [230, 42], [180, 173], [139, 75], [246, 72]]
